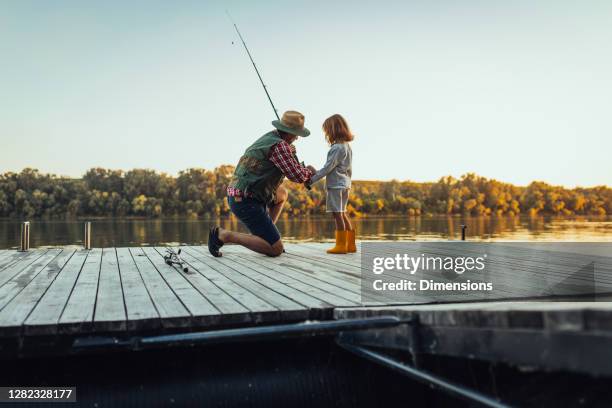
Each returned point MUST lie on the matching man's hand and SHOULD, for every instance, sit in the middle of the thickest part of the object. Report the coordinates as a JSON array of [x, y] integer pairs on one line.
[[312, 170]]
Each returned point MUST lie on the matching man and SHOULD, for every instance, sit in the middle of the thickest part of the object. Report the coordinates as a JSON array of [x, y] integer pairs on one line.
[[255, 194]]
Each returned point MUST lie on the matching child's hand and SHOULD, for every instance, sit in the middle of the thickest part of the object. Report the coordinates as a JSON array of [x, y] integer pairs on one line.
[[292, 147]]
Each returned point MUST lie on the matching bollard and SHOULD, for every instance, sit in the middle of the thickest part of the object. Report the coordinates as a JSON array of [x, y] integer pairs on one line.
[[463, 228], [87, 237], [25, 236]]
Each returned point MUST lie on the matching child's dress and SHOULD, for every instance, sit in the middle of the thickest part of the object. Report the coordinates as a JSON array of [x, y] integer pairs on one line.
[[337, 172]]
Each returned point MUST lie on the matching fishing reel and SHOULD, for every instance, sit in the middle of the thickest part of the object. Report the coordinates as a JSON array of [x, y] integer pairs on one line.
[[174, 258]]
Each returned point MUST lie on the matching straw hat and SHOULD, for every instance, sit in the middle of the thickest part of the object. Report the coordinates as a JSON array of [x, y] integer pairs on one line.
[[292, 122]]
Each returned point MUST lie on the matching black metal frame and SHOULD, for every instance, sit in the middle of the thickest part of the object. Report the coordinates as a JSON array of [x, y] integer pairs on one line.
[[298, 330], [423, 376], [258, 333]]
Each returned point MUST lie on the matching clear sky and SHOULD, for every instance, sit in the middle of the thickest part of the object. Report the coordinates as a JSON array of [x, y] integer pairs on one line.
[[512, 90]]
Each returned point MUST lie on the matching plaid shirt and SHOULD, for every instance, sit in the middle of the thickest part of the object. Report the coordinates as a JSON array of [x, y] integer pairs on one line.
[[283, 157]]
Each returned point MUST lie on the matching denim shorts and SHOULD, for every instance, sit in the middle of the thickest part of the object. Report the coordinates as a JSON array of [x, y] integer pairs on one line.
[[254, 215]]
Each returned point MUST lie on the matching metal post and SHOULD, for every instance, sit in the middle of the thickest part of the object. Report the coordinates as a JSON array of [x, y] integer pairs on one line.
[[87, 237], [25, 236], [463, 228]]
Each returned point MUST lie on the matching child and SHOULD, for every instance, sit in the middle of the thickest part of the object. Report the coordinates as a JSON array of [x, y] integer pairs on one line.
[[337, 171]]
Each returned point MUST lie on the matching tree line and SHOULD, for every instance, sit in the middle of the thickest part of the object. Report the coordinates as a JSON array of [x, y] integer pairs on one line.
[[201, 193]]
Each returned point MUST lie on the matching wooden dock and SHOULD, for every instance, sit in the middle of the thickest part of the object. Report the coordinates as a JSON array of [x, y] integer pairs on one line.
[[50, 299], [75, 291]]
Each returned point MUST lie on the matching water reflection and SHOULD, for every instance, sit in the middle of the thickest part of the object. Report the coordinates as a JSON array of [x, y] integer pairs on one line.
[[133, 232]]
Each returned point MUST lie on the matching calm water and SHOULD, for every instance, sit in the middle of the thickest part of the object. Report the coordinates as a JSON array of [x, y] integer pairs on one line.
[[134, 232]]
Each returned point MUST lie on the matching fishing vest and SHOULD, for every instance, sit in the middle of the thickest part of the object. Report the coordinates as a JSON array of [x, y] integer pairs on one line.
[[255, 174]]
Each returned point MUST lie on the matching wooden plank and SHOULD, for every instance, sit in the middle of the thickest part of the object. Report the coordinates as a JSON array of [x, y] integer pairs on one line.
[[141, 312], [171, 310], [515, 258], [4, 253], [508, 265], [326, 275], [77, 316], [44, 319], [550, 265], [350, 261], [8, 260], [289, 309], [352, 296], [339, 276], [247, 299], [203, 311], [563, 252], [321, 248], [328, 300], [20, 280], [28, 290], [297, 281], [230, 307], [302, 298], [517, 274], [286, 290], [7, 257], [19, 265], [316, 251], [504, 287], [109, 314], [352, 272]]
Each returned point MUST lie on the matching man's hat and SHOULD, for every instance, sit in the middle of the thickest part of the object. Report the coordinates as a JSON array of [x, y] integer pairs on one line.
[[292, 122]]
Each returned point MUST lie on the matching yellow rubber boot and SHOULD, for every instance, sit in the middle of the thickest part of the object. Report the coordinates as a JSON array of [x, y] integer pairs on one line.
[[350, 241], [340, 247]]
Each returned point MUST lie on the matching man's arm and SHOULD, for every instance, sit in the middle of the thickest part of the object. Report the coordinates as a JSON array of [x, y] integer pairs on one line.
[[284, 159]]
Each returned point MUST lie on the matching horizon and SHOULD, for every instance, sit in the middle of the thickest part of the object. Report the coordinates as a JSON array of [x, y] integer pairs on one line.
[[513, 92], [401, 180]]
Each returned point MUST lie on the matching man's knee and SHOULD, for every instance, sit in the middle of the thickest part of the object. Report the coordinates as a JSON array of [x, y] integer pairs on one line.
[[277, 249], [281, 195]]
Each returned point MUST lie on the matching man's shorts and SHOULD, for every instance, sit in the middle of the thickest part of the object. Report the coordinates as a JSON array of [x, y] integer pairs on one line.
[[337, 199], [254, 215]]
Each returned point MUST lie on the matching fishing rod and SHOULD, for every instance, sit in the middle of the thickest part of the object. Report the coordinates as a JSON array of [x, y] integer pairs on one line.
[[308, 186], [253, 62]]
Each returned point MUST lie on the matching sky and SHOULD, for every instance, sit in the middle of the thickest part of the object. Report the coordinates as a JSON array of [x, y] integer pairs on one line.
[[512, 90]]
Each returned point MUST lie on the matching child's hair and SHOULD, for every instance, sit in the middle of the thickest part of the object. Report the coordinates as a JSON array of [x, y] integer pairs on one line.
[[337, 130]]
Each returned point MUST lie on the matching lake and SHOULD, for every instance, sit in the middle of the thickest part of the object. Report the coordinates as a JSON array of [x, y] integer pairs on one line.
[[142, 232]]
